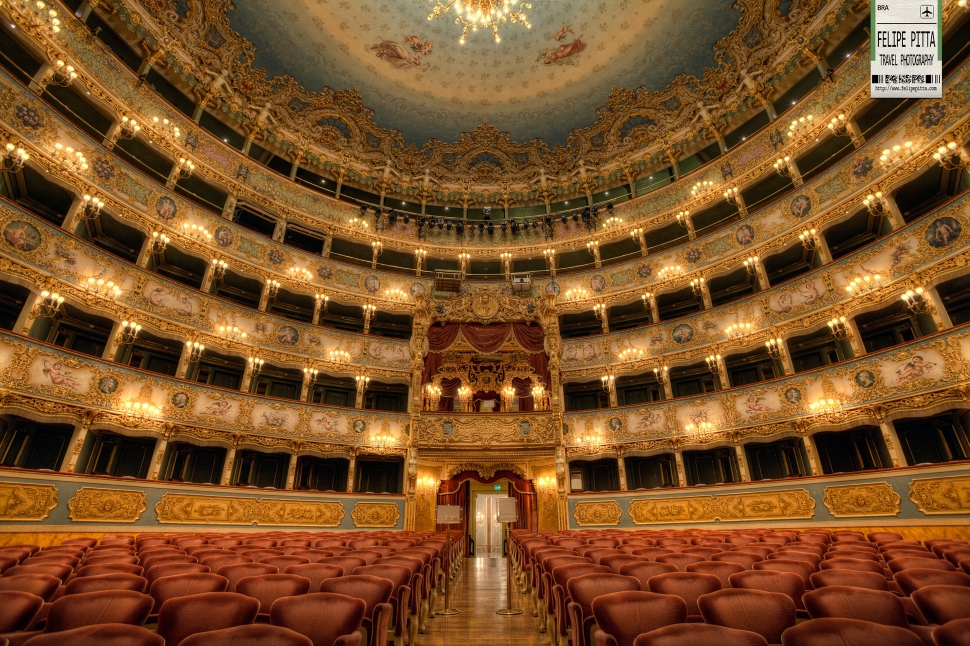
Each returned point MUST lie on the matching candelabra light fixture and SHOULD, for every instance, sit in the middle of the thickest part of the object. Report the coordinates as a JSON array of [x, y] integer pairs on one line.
[[784, 166], [732, 194], [508, 397], [301, 274], [593, 246], [632, 354], [465, 396], [540, 398], [362, 382], [702, 189], [737, 330], [396, 294], [91, 207], [660, 372], [104, 288], [800, 126], [839, 328], [825, 406], [128, 128], [482, 14], [897, 155], [184, 168], [637, 234], [915, 300], [683, 218], [950, 156], [377, 247], [432, 396], [545, 483], [670, 272], [774, 347], [129, 332], [71, 159], [599, 309], [195, 350], [839, 125], [338, 356], [140, 410], [421, 254], [14, 158], [697, 286], [321, 300], [39, 14], [359, 223], [576, 294], [272, 287], [648, 299], [608, 381], [700, 428], [382, 443], [590, 443], [810, 239], [255, 366], [864, 284], [875, 203], [196, 232], [714, 363], [50, 303], [427, 485], [159, 242], [751, 264], [612, 222], [62, 74], [232, 333], [167, 127], [310, 375], [219, 268]]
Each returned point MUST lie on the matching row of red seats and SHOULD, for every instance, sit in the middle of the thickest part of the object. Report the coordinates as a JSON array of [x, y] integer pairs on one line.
[[759, 581], [300, 588]]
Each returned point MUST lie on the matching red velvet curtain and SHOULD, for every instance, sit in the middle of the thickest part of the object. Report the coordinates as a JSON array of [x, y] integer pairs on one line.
[[457, 492], [539, 362], [530, 337], [523, 391], [440, 337]]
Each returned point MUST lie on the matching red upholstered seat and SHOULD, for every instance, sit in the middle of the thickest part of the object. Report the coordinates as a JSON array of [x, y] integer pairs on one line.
[[787, 583], [746, 559], [643, 571], [250, 635], [582, 590], [953, 633], [403, 611], [884, 536], [856, 603], [706, 552], [58, 570], [913, 579], [315, 572], [183, 585], [110, 568], [767, 613], [225, 542], [327, 619], [362, 543], [172, 569], [295, 542], [943, 603], [906, 563], [235, 572], [216, 562], [756, 548], [721, 569], [609, 542], [267, 588], [858, 565], [261, 542], [347, 563], [100, 582], [17, 609], [615, 561], [178, 557], [368, 556], [374, 591], [680, 560], [847, 632], [853, 578], [801, 568], [100, 635], [183, 616], [689, 586], [283, 562], [104, 607], [625, 615], [652, 552], [42, 585], [699, 635]]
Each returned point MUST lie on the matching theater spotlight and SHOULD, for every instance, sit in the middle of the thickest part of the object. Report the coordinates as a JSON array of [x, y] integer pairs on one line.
[[505, 225], [609, 208], [563, 218], [515, 227], [441, 224], [535, 224], [575, 217], [460, 227], [448, 225], [363, 210], [481, 227], [548, 220], [487, 213], [491, 228], [422, 221], [596, 211], [392, 216], [407, 218]]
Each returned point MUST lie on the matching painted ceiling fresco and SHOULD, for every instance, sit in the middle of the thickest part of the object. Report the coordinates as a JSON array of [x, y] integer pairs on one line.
[[536, 83]]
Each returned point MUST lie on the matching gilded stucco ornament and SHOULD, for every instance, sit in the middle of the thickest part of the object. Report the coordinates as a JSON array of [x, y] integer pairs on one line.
[[762, 505], [93, 505], [590, 514], [375, 514], [862, 501], [941, 496], [26, 502], [188, 509]]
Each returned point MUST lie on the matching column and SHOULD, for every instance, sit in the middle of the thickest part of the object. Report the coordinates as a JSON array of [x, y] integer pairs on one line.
[[207, 279], [654, 310], [146, 252], [291, 472], [761, 275], [111, 347], [110, 139], [785, 359], [892, 212], [854, 339], [40, 80], [706, 296], [373, 260], [183, 363], [326, 246], [227, 469], [264, 297], [892, 443], [70, 220], [84, 10], [27, 314], [155, 465], [796, 174], [742, 466], [722, 373], [76, 444], [596, 257], [245, 385], [173, 176], [230, 207], [613, 399], [823, 250], [935, 307], [810, 452], [621, 467], [317, 309], [681, 473], [855, 132], [305, 388], [279, 232], [604, 320], [742, 207], [351, 470]]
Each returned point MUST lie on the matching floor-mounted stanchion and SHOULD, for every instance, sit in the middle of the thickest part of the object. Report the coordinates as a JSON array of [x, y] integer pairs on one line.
[[447, 569], [508, 610]]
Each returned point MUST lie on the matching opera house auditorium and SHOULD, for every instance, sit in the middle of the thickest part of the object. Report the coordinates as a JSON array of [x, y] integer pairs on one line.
[[484, 322]]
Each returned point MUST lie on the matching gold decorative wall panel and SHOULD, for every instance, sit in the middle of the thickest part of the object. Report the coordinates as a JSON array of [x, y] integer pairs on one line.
[[187, 509], [606, 512], [28, 502], [375, 514], [92, 505], [789, 504], [941, 496], [862, 501]]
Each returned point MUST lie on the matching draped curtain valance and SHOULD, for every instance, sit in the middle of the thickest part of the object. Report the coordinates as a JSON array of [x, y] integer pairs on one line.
[[486, 338]]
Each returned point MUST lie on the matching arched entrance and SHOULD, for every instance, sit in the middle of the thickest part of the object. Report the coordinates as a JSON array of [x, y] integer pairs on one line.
[[458, 491]]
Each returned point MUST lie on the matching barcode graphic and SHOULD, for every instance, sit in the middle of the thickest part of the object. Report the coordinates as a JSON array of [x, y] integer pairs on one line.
[[917, 79]]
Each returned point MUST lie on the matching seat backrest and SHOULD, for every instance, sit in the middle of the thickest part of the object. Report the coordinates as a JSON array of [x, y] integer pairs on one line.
[[856, 603], [18, 609], [235, 572], [908, 562], [42, 585], [322, 616], [609, 542], [762, 549], [787, 583], [614, 561], [371, 589], [913, 579], [267, 588], [249, 635], [58, 570], [110, 568], [626, 614], [100, 635], [282, 562], [859, 565], [700, 550], [680, 560], [561, 574], [699, 635], [644, 570], [96, 583], [182, 585], [721, 569], [411, 563], [347, 563], [583, 589], [884, 536], [396, 574], [216, 562], [801, 568], [368, 556], [315, 572], [852, 578], [183, 616], [104, 607], [172, 569], [569, 543], [943, 603], [330, 542], [261, 542], [689, 586], [825, 632], [651, 552], [954, 633], [767, 613], [549, 564], [225, 542]]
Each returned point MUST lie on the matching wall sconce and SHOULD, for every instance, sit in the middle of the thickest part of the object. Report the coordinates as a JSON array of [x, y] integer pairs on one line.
[[599, 309], [377, 247], [395, 295], [731, 195], [62, 74], [608, 382], [800, 126], [593, 246], [167, 128], [864, 284], [310, 375], [576, 294], [632, 354], [72, 160], [432, 395], [508, 397], [159, 242], [506, 259], [219, 268], [825, 406], [272, 287], [738, 330], [810, 239], [897, 155], [103, 288], [195, 350], [14, 158], [670, 272], [338, 356], [774, 347], [950, 156], [128, 128], [232, 333], [421, 254], [140, 410], [427, 485], [839, 125], [255, 366], [465, 396], [784, 166], [39, 15], [128, 333], [660, 372], [682, 218], [362, 382], [875, 203], [540, 398], [322, 300], [637, 234], [590, 443], [91, 208], [545, 484], [648, 299], [382, 443], [700, 428], [915, 300], [359, 223], [196, 232], [50, 303], [300, 274], [702, 189], [839, 328], [697, 285], [751, 264], [714, 363], [611, 222]]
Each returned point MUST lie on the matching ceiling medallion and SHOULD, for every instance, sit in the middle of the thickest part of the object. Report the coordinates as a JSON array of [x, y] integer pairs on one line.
[[486, 14]]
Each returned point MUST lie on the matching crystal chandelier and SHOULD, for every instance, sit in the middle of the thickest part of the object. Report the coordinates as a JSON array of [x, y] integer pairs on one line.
[[486, 14]]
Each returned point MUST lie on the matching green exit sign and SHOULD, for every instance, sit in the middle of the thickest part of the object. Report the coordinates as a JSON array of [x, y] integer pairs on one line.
[[498, 487]]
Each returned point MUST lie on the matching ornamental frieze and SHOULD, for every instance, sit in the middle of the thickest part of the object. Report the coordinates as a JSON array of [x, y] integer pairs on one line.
[[189, 509], [862, 500], [941, 496], [493, 430], [376, 514], [602, 513], [92, 505], [788, 504], [26, 502]]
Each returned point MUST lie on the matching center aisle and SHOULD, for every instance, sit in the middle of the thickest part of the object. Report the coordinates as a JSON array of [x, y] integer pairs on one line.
[[478, 593]]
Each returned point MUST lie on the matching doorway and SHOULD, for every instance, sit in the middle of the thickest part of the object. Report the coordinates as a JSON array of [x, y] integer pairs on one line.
[[488, 531]]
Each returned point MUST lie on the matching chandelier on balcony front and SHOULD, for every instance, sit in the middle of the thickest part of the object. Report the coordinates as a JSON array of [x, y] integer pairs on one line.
[[485, 14]]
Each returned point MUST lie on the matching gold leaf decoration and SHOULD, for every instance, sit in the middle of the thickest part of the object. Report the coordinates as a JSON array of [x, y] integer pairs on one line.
[[106, 506], [375, 514], [187, 509], [861, 501], [606, 512], [763, 505], [26, 502], [941, 496]]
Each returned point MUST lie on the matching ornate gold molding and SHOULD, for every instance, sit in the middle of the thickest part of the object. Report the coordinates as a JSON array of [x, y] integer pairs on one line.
[[26, 502], [486, 471], [787, 504], [941, 496], [92, 505], [601, 512], [188, 509], [375, 514], [862, 501]]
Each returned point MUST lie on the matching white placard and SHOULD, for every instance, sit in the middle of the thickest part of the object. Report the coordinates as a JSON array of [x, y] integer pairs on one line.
[[449, 515], [906, 49], [507, 510]]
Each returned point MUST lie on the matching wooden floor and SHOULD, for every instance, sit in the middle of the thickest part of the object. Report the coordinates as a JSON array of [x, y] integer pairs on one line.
[[478, 592]]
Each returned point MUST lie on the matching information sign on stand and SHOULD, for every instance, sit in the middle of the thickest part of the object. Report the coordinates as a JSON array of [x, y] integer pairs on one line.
[[448, 515], [508, 512]]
